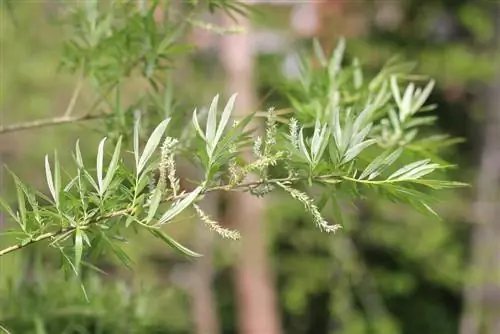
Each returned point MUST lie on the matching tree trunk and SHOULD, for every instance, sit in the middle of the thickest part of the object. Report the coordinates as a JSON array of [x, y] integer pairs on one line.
[[256, 300], [482, 289]]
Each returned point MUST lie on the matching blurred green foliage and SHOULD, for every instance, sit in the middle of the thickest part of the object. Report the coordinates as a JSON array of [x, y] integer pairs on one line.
[[390, 271]]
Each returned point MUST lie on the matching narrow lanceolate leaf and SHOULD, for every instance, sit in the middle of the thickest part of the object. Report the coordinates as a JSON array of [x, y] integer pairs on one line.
[[78, 154], [430, 210], [318, 51], [363, 118], [317, 138], [30, 196], [393, 117], [380, 163], [137, 128], [113, 165], [405, 107], [78, 248], [347, 130], [212, 121], [422, 97], [302, 146], [174, 244], [152, 144], [91, 180], [155, 202], [358, 137], [354, 151], [100, 162], [21, 203], [50, 181], [57, 177], [407, 168], [338, 214], [228, 109], [6, 331], [197, 125], [395, 90], [440, 184], [321, 146], [9, 210], [178, 207], [71, 184], [336, 128], [382, 96], [336, 60], [419, 172]]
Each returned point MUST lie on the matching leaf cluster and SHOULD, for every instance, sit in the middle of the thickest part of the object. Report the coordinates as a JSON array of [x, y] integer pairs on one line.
[[346, 134]]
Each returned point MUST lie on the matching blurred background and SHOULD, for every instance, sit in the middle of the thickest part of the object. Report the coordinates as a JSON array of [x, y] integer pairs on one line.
[[390, 270]]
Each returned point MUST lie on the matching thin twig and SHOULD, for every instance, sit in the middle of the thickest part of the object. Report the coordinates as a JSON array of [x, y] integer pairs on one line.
[[40, 123], [74, 96]]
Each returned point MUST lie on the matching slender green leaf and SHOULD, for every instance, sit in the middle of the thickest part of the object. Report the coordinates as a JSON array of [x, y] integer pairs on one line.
[[337, 130], [91, 180], [57, 177], [395, 90], [174, 244], [419, 172], [137, 129], [179, 206], [225, 117], [78, 248], [50, 182], [429, 209], [354, 151], [197, 126], [336, 60], [78, 153], [318, 51], [39, 325], [6, 331], [380, 163], [113, 165], [405, 107], [338, 213], [152, 144], [9, 210], [440, 184], [100, 162], [393, 117], [422, 97], [71, 184], [155, 202], [382, 96], [303, 147], [21, 203], [407, 168], [119, 252], [212, 121]]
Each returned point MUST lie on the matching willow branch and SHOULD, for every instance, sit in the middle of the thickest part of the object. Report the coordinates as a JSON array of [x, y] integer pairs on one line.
[[40, 123], [67, 118], [130, 210]]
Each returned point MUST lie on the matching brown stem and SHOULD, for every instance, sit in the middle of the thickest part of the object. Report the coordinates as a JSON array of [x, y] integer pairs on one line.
[[66, 117], [40, 123]]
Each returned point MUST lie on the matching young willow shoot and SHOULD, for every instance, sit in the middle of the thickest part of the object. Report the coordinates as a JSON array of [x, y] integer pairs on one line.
[[346, 135]]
